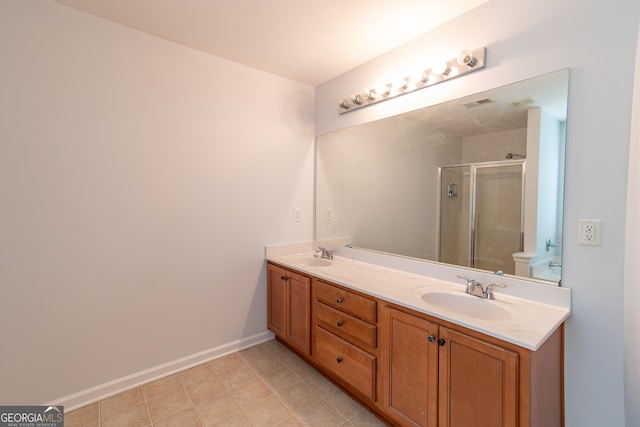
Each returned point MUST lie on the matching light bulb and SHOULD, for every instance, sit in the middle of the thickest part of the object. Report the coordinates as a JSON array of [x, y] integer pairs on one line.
[[356, 99], [466, 58], [441, 68], [421, 76], [400, 83], [367, 95], [382, 89], [344, 104]]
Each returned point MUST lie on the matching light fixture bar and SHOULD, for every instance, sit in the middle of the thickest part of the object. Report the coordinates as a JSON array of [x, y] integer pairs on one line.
[[466, 62]]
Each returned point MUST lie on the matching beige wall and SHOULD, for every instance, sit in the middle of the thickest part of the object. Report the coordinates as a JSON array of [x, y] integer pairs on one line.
[[139, 183]]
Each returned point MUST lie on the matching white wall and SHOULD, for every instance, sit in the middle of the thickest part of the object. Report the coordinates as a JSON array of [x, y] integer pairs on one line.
[[632, 267], [139, 183], [526, 38], [379, 172], [490, 147]]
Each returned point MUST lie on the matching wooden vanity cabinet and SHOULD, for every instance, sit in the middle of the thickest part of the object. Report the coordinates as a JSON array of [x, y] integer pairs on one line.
[[435, 375], [411, 368], [478, 382], [289, 307], [345, 338]]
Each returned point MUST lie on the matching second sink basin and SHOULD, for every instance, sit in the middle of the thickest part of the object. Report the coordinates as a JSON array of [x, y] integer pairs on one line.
[[310, 261], [467, 305]]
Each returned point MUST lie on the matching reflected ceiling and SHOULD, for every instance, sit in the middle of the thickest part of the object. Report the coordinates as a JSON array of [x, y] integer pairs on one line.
[[478, 115]]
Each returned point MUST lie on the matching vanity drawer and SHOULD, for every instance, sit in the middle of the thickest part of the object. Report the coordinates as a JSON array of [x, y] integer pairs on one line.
[[346, 326], [349, 302], [356, 367]]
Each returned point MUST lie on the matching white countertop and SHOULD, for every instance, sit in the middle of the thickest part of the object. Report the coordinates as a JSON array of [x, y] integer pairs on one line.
[[532, 319]]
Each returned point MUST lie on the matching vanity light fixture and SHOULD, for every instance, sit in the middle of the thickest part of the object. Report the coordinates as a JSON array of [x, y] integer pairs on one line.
[[466, 62]]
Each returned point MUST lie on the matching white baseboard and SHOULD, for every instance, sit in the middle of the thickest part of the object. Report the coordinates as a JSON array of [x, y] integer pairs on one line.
[[102, 391]]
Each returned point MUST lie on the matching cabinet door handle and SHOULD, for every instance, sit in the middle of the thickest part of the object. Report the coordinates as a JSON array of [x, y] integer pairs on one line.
[[340, 323], [431, 338], [441, 342], [339, 360], [339, 300]]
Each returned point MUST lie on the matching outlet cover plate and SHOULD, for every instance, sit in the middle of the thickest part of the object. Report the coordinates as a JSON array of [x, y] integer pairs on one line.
[[590, 232]]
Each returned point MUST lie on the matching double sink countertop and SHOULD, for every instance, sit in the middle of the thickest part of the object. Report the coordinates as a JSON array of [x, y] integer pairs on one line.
[[524, 313]]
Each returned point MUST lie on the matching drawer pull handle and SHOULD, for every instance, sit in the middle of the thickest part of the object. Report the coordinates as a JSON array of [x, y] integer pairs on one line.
[[441, 342], [339, 360], [340, 323], [339, 300], [431, 338]]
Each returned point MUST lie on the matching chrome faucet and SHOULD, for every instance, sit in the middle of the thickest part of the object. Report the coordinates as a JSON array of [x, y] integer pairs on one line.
[[323, 253], [476, 289], [488, 292], [554, 264]]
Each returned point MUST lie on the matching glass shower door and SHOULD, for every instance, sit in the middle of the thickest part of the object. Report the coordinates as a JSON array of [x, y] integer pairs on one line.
[[497, 222], [455, 225]]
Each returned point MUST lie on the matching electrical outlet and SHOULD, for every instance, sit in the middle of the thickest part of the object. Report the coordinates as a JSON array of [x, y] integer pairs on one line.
[[297, 217], [590, 232]]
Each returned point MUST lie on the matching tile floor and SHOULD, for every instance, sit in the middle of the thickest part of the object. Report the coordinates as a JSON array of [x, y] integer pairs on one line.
[[266, 385]]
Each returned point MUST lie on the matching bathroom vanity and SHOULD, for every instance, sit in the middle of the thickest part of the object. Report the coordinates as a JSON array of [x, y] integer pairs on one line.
[[418, 350]]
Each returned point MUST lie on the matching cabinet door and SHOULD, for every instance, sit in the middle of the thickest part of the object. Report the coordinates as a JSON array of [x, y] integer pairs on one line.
[[478, 383], [410, 383], [277, 300], [299, 315]]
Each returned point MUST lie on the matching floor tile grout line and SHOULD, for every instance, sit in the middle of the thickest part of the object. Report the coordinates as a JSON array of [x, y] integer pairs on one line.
[[172, 392], [242, 409], [193, 404], [148, 412], [273, 391], [277, 394], [228, 390], [321, 398], [145, 399]]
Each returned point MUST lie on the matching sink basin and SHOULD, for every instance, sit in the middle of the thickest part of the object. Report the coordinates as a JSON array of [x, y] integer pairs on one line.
[[467, 305], [310, 261]]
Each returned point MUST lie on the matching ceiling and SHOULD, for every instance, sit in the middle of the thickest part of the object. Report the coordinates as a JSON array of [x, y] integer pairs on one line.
[[310, 41]]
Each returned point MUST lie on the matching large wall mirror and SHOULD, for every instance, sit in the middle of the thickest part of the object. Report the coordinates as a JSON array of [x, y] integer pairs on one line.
[[476, 182]]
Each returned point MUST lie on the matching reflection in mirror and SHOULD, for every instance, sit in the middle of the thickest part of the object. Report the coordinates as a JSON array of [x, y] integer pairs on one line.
[[476, 182]]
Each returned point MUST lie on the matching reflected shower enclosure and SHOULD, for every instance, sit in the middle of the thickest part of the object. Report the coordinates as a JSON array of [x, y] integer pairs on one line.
[[481, 215], [423, 184]]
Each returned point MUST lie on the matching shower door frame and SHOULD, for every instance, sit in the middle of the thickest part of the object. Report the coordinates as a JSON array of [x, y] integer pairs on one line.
[[472, 203]]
